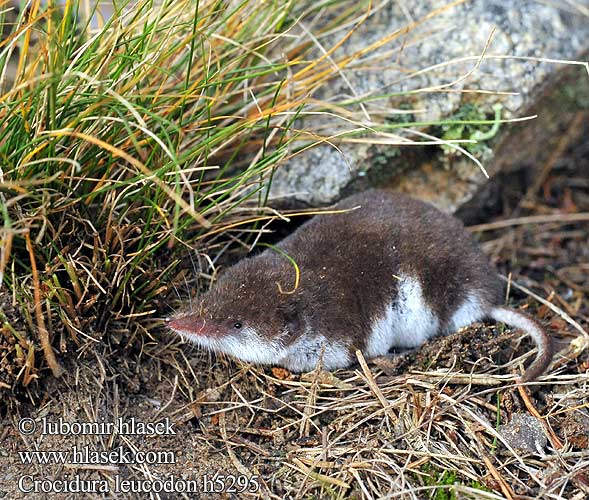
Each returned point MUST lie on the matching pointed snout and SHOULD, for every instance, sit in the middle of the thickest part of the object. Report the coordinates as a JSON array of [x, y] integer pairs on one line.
[[193, 324]]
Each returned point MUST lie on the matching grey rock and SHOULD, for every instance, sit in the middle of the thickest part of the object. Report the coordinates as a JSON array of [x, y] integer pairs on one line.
[[528, 28], [524, 433]]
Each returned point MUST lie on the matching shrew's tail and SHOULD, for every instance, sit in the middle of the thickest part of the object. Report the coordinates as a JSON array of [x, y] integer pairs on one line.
[[540, 337]]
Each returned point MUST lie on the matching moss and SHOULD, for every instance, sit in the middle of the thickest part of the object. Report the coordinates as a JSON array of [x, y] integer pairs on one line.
[[435, 478], [469, 127]]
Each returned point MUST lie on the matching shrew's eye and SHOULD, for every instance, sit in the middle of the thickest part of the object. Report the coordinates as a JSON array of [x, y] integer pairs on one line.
[[237, 325]]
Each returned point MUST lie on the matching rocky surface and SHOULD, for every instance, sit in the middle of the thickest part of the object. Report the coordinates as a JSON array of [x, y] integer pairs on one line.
[[443, 54], [524, 433]]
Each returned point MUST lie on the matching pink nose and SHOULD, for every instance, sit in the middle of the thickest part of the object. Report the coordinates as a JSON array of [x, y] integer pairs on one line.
[[192, 324]]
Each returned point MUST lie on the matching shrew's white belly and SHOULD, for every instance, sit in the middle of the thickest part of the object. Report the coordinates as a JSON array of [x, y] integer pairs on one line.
[[304, 354], [409, 321]]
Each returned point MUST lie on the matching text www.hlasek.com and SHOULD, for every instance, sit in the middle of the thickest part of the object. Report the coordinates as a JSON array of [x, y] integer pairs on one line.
[[85, 455]]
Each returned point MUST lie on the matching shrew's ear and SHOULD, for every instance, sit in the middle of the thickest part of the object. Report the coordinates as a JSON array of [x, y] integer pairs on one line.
[[291, 317]]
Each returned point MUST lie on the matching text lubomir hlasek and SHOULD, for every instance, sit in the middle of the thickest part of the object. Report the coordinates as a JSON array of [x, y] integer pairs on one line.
[[122, 426]]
